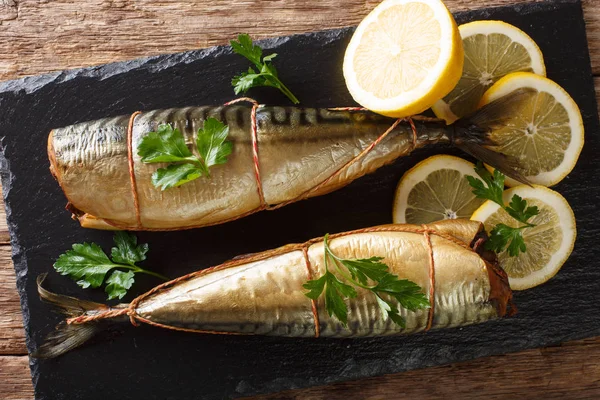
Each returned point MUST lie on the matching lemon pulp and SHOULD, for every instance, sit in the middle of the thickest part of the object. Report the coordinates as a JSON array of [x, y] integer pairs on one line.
[[435, 189]]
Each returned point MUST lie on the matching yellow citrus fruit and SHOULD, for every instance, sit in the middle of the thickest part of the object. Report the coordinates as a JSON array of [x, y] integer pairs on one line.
[[493, 49], [549, 243], [403, 57], [435, 189], [543, 131]]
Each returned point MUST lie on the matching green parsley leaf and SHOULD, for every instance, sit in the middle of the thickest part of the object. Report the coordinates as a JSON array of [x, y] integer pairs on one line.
[[270, 57], [518, 209], [88, 265], [389, 310], [211, 143], [127, 250], [247, 80], [175, 175], [491, 188], [246, 48], [397, 318], [164, 145], [369, 268], [168, 145], [315, 287], [268, 73], [503, 237], [407, 293], [335, 293], [118, 283], [338, 288]]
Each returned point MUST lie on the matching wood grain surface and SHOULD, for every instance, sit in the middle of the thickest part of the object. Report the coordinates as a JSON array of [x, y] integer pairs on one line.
[[40, 36]]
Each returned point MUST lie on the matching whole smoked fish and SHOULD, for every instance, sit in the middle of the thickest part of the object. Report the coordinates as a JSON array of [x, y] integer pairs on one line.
[[263, 293], [280, 155]]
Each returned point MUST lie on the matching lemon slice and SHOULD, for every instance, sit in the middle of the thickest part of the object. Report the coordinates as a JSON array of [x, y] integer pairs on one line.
[[403, 57], [493, 49], [435, 189], [543, 130], [549, 243]]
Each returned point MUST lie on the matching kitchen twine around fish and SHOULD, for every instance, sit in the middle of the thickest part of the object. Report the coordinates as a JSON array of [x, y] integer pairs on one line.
[[134, 318], [256, 161]]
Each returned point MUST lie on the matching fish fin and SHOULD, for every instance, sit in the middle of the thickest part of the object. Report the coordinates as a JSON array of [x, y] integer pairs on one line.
[[66, 337], [506, 164], [498, 111], [472, 133]]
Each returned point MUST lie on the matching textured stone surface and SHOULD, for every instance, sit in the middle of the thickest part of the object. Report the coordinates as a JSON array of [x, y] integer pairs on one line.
[[151, 363]]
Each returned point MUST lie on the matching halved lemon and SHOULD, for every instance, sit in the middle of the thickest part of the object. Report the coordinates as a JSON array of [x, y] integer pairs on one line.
[[435, 189], [549, 243], [404, 56], [493, 49], [543, 130]]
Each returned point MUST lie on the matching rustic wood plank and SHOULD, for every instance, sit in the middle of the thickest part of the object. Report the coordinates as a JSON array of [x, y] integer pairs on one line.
[[15, 381], [40, 36], [4, 235], [12, 334], [597, 87], [532, 374]]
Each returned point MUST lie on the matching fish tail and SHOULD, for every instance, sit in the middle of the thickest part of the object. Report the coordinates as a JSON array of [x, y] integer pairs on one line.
[[70, 333], [472, 134]]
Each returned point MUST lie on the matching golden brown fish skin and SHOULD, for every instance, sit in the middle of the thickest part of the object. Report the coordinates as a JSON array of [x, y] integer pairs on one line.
[[263, 294], [298, 149]]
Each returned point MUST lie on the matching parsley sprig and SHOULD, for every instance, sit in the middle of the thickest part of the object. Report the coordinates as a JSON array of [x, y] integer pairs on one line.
[[265, 73], [388, 289], [503, 237], [89, 266], [167, 145]]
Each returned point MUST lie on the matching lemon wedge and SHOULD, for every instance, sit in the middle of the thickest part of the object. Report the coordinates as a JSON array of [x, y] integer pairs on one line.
[[493, 49], [403, 57], [543, 131], [549, 243], [435, 189]]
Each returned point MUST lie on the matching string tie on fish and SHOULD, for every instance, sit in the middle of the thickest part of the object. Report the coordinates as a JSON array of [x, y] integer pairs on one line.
[[427, 233], [313, 302], [134, 190], [109, 313], [410, 120], [254, 133], [354, 160]]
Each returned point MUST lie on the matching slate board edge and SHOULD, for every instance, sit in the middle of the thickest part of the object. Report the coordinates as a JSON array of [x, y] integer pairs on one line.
[[34, 83]]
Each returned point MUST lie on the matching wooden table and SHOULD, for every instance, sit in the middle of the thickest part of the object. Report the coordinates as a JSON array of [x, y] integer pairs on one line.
[[42, 36]]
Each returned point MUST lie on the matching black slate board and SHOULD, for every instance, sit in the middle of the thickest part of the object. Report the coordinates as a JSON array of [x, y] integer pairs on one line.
[[150, 363]]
